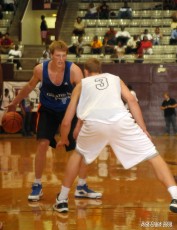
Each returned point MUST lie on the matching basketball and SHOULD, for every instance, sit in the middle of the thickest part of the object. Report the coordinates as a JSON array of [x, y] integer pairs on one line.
[[12, 122]]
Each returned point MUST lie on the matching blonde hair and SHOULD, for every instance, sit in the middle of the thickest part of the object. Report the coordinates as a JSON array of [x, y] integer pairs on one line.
[[93, 65], [58, 45]]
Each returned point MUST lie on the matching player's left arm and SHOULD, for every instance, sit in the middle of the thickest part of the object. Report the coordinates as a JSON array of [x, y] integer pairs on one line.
[[70, 113], [134, 107]]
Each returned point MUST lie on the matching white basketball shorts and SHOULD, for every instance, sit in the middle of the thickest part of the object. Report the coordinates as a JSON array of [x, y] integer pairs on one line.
[[128, 141]]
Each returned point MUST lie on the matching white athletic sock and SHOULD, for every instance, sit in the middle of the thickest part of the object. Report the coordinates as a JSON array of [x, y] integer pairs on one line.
[[64, 193], [81, 182], [37, 181], [173, 191]]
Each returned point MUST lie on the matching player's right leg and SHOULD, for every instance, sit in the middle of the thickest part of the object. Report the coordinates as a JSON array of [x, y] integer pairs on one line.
[[47, 127], [40, 161]]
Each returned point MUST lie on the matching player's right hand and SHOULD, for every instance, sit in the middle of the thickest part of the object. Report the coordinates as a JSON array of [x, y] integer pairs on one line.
[[62, 142], [11, 108]]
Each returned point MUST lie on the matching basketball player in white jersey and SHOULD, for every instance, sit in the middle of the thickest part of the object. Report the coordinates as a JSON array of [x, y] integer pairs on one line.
[[103, 120]]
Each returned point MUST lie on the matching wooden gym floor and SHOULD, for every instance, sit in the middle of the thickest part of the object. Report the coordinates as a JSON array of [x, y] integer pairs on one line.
[[132, 199]]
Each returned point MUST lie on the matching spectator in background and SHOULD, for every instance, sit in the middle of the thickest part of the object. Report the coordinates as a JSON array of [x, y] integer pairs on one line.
[[96, 45], [168, 106], [1, 12], [9, 5], [46, 51], [173, 25], [104, 11], [174, 16], [139, 57], [147, 34], [123, 36], [92, 12], [125, 12], [157, 36], [108, 46], [79, 27], [77, 47], [43, 58], [44, 30], [173, 38], [119, 52], [5, 101], [132, 45], [6, 44], [1, 38], [109, 41], [26, 108], [146, 46], [14, 56], [111, 35]]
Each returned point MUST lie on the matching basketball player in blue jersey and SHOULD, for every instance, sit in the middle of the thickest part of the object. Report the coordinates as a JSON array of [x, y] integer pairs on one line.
[[104, 120], [58, 77]]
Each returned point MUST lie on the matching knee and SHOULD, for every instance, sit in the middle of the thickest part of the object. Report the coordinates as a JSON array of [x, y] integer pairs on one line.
[[43, 145]]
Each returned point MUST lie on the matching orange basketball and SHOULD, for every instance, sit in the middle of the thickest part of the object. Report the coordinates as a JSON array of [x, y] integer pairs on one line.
[[12, 122]]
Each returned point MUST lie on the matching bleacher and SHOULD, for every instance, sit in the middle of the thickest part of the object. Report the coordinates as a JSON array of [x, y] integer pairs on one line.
[[146, 15]]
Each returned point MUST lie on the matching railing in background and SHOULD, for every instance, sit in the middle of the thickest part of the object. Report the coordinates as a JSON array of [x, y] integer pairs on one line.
[[59, 19]]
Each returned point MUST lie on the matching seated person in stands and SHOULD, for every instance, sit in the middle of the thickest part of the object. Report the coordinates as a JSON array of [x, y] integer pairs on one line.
[[79, 27], [108, 46], [9, 5], [1, 37], [125, 12], [14, 56], [109, 41], [6, 44], [132, 45], [157, 36], [173, 38], [119, 52], [43, 58], [92, 12], [139, 57], [174, 20], [123, 36], [46, 51], [77, 47], [111, 34], [146, 46], [1, 12], [104, 11], [147, 34], [96, 45]]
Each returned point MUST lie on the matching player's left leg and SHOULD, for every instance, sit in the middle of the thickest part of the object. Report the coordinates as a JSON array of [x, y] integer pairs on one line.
[[164, 175], [71, 172], [82, 190]]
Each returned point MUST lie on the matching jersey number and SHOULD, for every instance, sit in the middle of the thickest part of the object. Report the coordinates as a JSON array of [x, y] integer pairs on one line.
[[101, 83]]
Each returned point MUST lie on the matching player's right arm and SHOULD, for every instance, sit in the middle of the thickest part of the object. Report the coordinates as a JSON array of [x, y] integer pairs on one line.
[[37, 76], [70, 113]]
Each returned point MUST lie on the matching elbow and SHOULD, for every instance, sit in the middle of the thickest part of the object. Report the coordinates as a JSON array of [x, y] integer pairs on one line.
[[65, 124]]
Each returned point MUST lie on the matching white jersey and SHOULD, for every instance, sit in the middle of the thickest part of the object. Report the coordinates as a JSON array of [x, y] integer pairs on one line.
[[96, 104]]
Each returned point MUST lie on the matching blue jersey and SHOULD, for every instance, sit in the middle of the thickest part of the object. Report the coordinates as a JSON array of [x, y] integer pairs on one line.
[[56, 97]]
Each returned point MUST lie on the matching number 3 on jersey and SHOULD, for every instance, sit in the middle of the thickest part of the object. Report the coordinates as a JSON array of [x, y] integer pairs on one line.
[[101, 83]]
